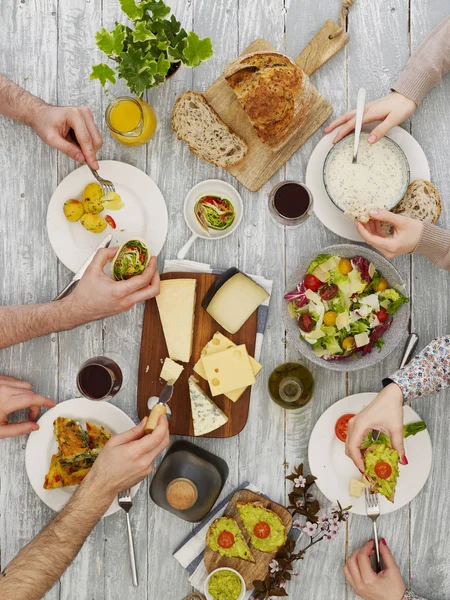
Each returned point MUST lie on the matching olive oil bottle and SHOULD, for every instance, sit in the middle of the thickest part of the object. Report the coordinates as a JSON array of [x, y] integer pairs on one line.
[[291, 385]]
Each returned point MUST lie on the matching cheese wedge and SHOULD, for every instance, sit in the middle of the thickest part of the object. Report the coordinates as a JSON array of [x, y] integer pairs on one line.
[[220, 343], [228, 370], [171, 371], [234, 302], [176, 306], [206, 416]]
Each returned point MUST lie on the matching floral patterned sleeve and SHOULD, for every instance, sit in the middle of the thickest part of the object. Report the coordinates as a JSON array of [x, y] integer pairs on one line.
[[427, 373], [409, 595]]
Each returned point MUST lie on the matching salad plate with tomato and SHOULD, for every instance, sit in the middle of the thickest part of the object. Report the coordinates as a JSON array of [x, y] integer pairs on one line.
[[346, 308], [396, 484]]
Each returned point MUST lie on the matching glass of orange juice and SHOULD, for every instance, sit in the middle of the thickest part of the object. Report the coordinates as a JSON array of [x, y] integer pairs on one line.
[[131, 120]]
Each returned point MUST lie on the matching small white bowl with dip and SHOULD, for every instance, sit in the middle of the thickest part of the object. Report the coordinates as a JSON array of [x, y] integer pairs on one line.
[[206, 591], [378, 180]]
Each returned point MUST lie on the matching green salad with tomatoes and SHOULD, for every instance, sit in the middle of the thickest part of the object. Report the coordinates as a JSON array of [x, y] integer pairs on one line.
[[343, 306]]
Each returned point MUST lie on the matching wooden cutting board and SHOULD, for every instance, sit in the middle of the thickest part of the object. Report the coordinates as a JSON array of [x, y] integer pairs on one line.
[[261, 162], [249, 571], [154, 351]]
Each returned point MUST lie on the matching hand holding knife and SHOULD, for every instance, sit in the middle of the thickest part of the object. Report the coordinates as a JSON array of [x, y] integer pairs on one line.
[[79, 274], [159, 408]]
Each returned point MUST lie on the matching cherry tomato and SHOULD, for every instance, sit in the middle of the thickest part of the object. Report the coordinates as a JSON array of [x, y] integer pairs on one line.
[[345, 266], [383, 470], [306, 322], [382, 314], [262, 530], [328, 292], [341, 427], [380, 285], [225, 539], [110, 221], [329, 318], [312, 283], [348, 343]]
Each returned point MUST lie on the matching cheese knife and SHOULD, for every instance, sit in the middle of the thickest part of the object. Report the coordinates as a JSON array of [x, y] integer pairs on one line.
[[79, 274], [159, 408], [411, 344]]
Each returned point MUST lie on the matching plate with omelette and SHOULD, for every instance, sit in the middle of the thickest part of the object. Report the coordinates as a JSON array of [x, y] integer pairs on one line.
[[62, 451], [247, 536]]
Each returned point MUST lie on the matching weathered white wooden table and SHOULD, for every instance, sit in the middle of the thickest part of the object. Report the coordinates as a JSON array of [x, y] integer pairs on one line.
[[48, 47]]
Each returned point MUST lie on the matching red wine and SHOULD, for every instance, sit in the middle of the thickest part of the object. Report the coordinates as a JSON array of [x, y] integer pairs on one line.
[[95, 381], [292, 200]]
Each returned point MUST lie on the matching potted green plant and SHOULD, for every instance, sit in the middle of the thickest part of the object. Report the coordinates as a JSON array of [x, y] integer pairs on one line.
[[148, 50]]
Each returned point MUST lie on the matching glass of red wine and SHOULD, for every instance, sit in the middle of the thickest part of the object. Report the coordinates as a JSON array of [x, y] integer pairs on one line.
[[99, 378], [290, 203]]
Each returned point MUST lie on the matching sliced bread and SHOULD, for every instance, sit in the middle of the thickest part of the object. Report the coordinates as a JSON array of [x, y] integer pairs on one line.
[[421, 201], [206, 134]]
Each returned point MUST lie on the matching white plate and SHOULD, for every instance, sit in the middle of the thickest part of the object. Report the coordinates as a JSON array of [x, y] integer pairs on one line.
[[324, 209], [144, 214], [42, 445], [334, 470]]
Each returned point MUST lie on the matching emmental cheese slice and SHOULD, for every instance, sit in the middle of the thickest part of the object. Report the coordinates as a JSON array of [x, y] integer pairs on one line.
[[220, 343], [206, 416], [176, 306], [171, 371], [235, 301], [229, 370]]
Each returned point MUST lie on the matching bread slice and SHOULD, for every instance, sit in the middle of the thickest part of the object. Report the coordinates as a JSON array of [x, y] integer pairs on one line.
[[274, 93], [421, 201], [207, 135]]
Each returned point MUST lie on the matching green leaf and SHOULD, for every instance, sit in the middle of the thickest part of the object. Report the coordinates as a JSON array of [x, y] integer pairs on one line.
[[111, 42], [133, 11], [141, 33], [196, 50], [103, 73], [158, 9], [163, 65]]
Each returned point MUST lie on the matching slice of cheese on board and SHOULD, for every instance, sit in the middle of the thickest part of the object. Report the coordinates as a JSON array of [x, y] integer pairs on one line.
[[220, 343], [176, 306], [235, 301], [228, 370], [206, 416], [171, 370]]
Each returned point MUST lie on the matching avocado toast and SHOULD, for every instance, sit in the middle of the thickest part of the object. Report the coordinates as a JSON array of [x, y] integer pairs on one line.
[[265, 527], [225, 537], [381, 469]]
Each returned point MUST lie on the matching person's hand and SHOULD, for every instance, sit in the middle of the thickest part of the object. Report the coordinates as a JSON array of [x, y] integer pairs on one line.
[[384, 413], [55, 124], [405, 237], [390, 110], [18, 395], [385, 585], [97, 296], [127, 458]]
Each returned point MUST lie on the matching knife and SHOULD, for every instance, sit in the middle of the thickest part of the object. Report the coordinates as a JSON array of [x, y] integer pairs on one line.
[[79, 274], [411, 344], [159, 408]]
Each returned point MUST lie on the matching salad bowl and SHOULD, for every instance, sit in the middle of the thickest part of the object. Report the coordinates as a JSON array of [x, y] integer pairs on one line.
[[392, 337]]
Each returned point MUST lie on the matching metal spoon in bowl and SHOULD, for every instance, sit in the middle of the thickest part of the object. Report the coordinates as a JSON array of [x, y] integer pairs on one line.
[[360, 103]]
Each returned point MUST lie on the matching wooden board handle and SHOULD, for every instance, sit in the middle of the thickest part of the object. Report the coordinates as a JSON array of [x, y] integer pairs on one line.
[[153, 418], [325, 44]]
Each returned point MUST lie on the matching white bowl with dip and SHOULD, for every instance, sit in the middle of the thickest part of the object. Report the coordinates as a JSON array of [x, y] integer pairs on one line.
[[243, 586], [378, 180], [210, 187]]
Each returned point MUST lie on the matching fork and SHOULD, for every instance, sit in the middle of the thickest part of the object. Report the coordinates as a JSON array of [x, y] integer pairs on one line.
[[373, 512], [107, 185], [125, 501]]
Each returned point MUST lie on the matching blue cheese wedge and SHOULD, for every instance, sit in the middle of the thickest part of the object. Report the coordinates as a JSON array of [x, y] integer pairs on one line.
[[206, 416]]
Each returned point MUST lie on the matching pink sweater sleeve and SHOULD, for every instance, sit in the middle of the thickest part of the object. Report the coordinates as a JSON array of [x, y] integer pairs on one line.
[[428, 64]]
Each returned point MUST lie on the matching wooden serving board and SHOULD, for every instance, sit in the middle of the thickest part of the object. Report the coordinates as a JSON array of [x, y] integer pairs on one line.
[[154, 351], [249, 571], [261, 162]]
